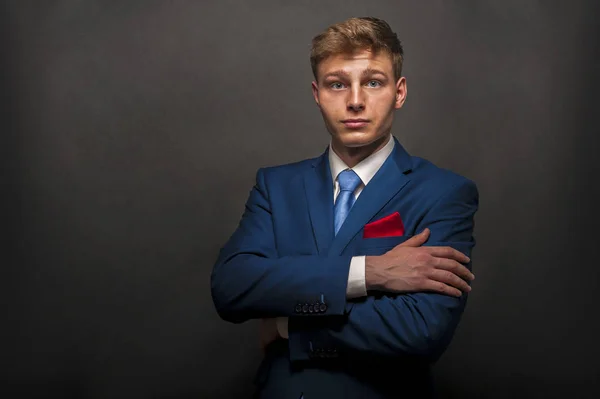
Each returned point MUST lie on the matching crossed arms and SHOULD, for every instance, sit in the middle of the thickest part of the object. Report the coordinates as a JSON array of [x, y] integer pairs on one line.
[[412, 306]]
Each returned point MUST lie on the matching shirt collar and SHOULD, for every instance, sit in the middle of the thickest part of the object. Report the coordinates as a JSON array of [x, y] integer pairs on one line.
[[366, 168]]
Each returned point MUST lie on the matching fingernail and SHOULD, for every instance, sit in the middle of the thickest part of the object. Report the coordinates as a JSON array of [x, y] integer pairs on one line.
[[472, 277]]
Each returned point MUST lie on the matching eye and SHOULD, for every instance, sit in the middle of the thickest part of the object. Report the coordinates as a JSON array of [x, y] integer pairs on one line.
[[336, 85], [374, 83]]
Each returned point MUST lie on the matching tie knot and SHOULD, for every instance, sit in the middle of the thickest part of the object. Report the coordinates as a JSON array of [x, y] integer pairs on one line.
[[348, 180]]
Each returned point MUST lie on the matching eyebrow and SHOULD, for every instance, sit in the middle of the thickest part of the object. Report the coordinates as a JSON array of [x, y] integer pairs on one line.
[[368, 71]]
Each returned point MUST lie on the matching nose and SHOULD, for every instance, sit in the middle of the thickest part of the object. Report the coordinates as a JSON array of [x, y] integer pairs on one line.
[[356, 101]]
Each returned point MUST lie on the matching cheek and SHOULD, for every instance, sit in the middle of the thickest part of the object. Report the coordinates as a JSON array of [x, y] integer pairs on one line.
[[329, 101], [329, 107], [326, 112], [328, 118], [382, 108]]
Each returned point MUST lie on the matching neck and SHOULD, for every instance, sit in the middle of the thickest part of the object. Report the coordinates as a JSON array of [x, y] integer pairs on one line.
[[352, 156]]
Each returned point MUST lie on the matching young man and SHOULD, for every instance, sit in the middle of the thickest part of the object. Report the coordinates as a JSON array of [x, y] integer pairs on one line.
[[357, 261]]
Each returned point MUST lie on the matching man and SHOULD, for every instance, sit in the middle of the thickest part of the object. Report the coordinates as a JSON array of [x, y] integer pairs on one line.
[[357, 261]]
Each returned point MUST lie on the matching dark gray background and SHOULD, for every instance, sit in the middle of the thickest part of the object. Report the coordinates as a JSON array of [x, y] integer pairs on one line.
[[131, 133]]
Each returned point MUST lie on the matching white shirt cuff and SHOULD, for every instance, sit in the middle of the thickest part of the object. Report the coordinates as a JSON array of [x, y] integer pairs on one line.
[[357, 286], [282, 327]]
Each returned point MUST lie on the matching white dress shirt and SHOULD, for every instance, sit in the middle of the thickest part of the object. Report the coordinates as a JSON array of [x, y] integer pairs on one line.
[[365, 169]]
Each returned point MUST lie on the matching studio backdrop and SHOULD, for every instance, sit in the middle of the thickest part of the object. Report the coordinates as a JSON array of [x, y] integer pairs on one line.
[[131, 135]]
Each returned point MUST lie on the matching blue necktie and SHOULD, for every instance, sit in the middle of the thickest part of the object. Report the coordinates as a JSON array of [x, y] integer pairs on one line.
[[348, 181]]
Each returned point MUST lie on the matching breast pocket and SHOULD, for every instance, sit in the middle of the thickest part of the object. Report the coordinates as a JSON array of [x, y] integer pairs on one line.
[[378, 246]]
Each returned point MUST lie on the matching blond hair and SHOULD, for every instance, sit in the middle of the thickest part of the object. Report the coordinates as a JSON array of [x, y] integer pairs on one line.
[[365, 33]]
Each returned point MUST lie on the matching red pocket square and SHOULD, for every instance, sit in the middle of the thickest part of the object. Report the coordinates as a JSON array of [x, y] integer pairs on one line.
[[389, 226]]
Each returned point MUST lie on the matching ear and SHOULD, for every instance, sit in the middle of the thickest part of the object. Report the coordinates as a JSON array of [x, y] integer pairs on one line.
[[401, 92], [315, 91]]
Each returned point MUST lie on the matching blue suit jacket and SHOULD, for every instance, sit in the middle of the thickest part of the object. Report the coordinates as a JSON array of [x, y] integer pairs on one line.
[[284, 260]]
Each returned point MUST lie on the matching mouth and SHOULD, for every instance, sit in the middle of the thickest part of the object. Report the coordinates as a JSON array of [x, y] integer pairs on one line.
[[355, 123]]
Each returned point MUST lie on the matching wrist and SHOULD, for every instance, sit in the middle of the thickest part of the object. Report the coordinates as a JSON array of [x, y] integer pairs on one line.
[[373, 277]]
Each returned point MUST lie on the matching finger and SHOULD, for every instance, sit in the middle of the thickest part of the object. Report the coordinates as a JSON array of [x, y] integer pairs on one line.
[[441, 288], [450, 279], [417, 240], [454, 267], [448, 252]]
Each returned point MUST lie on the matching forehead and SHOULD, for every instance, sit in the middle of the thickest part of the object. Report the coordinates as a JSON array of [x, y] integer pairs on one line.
[[357, 62]]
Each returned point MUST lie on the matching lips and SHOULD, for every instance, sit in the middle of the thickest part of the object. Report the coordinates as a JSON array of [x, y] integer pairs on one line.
[[355, 123]]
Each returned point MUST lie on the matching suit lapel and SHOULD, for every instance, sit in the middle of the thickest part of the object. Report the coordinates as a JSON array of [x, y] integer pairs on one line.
[[387, 182], [318, 186]]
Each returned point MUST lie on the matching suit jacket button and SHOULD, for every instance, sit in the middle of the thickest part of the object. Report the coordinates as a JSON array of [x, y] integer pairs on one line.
[[323, 307], [305, 308], [298, 308]]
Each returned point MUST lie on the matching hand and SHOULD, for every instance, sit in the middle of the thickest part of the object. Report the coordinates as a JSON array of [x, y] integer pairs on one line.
[[267, 332], [409, 267]]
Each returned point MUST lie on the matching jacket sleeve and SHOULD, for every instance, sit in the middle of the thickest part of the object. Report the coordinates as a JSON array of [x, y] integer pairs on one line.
[[417, 324], [250, 281]]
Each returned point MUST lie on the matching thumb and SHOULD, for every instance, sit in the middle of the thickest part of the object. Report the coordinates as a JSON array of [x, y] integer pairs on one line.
[[417, 240]]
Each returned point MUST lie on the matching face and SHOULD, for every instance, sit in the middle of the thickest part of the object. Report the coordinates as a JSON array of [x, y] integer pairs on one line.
[[357, 95]]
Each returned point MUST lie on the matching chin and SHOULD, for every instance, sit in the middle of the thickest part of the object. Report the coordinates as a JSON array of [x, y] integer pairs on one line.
[[357, 139]]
